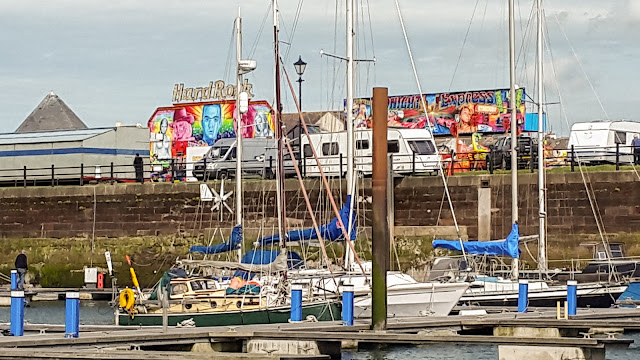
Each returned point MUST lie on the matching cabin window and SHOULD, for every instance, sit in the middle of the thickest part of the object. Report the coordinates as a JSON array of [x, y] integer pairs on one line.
[[232, 154], [330, 149], [393, 146], [195, 286], [620, 137], [616, 251], [307, 151], [422, 147], [177, 289], [218, 152], [362, 144]]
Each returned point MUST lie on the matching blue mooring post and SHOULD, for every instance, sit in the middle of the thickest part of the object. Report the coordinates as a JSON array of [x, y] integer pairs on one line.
[[347, 304], [14, 279], [72, 315], [17, 312], [523, 294], [572, 297], [296, 302]]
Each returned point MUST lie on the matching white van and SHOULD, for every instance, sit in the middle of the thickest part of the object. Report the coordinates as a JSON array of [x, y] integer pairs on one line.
[[258, 159], [413, 151], [595, 141]]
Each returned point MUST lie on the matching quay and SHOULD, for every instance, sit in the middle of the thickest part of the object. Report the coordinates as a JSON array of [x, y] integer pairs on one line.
[[591, 331]]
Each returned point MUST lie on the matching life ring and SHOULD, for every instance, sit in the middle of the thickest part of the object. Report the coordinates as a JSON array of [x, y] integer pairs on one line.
[[127, 299]]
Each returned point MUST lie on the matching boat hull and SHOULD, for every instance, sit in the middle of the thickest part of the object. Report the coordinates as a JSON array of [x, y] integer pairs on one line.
[[321, 311], [414, 300], [596, 296]]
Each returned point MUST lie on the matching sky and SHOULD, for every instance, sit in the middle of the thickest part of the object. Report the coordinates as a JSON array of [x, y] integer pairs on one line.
[[117, 61]]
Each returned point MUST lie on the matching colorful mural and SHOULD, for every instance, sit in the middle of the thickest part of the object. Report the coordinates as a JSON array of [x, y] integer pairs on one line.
[[173, 129], [467, 112]]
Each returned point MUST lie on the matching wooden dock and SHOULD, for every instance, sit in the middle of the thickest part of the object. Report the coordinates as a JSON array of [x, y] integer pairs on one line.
[[232, 342]]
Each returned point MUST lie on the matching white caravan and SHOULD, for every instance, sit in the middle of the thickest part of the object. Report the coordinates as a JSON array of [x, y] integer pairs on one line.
[[595, 141], [413, 151]]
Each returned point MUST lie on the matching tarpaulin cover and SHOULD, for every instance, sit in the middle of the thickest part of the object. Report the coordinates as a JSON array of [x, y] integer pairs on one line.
[[506, 247], [262, 258], [330, 232], [235, 240]]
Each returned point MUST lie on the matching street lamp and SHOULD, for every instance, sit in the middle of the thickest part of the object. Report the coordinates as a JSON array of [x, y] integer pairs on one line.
[[300, 67]]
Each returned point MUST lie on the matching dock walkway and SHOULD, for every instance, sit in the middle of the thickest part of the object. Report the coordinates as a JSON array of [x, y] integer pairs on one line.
[[111, 342]]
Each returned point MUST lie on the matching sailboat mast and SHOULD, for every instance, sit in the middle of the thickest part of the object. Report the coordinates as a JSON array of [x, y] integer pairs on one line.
[[542, 246], [282, 216], [350, 134], [239, 199], [514, 127]]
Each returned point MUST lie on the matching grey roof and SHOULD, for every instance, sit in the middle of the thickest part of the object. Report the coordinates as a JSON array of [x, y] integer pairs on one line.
[[51, 114], [51, 136]]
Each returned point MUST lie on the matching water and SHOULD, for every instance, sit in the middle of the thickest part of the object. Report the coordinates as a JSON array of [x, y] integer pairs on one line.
[[100, 313], [52, 312]]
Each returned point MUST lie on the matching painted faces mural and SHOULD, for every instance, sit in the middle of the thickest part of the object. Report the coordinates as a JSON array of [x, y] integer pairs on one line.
[[173, 129], [449, 113]]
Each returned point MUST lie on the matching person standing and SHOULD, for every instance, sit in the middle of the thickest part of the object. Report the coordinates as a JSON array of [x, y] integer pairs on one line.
[[636, 149], [22, 267], [138, 165]]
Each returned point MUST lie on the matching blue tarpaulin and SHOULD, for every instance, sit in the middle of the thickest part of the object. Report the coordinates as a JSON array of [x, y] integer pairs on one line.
[[330, 232], [506, 247], [235, 240], [263, 257]]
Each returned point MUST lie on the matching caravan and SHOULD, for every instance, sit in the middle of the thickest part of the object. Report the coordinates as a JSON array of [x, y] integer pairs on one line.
[[596, 141], [414, 151]]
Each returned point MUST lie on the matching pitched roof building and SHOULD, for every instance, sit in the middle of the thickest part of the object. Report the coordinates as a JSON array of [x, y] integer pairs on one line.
[[51, 114]]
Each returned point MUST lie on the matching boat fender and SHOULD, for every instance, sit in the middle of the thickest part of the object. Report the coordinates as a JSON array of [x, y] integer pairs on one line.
[[127, 299]]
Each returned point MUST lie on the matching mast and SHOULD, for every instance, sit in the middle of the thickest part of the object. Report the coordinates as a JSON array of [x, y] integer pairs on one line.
[[542, 246], [514, 127], [350, 135], [239, 199], [282, 216]]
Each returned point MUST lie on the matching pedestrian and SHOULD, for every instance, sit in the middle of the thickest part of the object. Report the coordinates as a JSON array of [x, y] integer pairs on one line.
[[138, 165], [22, 267], [636, 149]]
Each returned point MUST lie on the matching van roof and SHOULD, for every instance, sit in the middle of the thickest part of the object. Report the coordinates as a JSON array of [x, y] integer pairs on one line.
[[602, 124]]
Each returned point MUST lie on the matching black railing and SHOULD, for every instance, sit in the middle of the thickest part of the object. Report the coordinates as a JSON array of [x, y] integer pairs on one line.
[[335, 166]]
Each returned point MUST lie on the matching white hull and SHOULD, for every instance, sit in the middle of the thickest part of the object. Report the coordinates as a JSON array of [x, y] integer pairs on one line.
[[411, 300], [405, 296]]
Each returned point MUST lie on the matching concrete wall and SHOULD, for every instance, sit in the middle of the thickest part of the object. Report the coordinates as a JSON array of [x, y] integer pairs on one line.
[[164, 208]]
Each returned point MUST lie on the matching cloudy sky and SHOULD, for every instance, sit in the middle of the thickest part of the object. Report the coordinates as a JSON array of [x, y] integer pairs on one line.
[[119, 60]]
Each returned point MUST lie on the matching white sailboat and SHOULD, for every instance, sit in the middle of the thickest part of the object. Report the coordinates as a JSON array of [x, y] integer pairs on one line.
[[494, 291], [405, 295]]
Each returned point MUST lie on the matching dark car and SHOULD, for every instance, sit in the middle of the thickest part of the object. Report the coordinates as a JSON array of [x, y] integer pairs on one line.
[[500, 155]]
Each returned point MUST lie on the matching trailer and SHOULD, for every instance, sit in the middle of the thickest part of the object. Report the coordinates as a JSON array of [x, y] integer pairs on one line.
[[598, 142], [414, 151]]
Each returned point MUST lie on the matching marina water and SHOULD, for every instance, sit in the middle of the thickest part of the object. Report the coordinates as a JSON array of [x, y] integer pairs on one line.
[[100, 313]]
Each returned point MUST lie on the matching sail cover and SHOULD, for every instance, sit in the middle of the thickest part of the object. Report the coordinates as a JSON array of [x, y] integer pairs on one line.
[[330, 232], [233, 244], [506, 247]]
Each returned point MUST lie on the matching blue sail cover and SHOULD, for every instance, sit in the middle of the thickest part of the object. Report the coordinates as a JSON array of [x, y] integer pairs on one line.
[[263, 257], [330, 232], [235, 240], [507, 247]]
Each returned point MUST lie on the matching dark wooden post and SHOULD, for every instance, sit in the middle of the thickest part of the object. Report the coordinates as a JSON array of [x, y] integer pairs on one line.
[[380, 216], [573, 158], [617, 156]]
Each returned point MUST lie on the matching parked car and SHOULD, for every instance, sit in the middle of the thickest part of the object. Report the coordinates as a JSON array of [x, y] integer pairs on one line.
[[500, 155], [258, 159]]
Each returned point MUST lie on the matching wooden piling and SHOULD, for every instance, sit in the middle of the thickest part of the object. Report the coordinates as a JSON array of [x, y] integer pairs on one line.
[[380, 212]]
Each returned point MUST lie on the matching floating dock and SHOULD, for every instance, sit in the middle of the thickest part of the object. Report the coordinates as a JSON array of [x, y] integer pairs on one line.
[[591, 331]]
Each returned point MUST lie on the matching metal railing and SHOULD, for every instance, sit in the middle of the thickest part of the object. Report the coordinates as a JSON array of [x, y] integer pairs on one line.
[[179, 169]]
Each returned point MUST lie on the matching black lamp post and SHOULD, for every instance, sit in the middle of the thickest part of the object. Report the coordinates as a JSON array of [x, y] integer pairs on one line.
[[300, 67]]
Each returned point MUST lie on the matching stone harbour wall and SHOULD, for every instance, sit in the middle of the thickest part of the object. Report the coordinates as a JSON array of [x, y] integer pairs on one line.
[[122, 210]]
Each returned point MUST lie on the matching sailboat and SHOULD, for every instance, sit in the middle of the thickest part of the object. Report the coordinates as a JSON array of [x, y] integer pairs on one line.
[[253, 290], [405, 295], [492, 291]]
